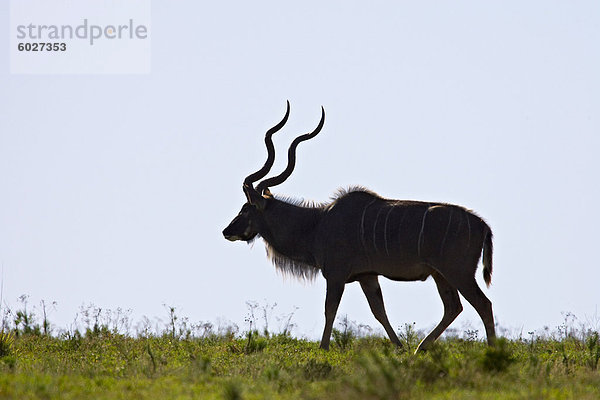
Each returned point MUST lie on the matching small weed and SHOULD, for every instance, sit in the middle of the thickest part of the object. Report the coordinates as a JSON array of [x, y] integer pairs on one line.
[[46, 326], [286, 324], [566, 329], [409, 338], [172, 321], [471, 335], [254, 342], [24, 320], [343, 338]]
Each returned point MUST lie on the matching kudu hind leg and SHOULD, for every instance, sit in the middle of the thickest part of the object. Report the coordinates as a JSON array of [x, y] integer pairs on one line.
[[372, 290], [452, 307], [332, 301], [473, 294]]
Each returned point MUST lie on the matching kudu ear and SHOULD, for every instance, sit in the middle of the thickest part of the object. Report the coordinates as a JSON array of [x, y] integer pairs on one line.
[[254, 197]]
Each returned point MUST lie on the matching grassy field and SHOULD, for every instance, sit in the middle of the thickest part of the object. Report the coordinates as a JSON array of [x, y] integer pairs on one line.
[[98, 362]]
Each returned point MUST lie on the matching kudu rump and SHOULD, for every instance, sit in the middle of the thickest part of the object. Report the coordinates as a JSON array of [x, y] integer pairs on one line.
[[360, 235]]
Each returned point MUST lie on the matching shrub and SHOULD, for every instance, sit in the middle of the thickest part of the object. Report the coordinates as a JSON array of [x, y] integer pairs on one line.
[[593, 346], [497, 358], [6, 344]]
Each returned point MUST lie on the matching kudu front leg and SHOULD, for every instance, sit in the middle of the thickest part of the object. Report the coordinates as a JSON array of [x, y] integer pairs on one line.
[[332, 301], [372, 290]]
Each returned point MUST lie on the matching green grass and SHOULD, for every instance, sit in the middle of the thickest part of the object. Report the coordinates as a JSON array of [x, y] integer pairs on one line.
[[107, 365], [101, 359]]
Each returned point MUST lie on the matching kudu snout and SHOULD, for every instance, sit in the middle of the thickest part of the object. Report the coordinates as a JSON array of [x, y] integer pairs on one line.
[[228, 234]]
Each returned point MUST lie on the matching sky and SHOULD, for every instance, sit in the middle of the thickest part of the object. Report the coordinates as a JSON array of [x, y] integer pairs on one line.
[[114, 188]]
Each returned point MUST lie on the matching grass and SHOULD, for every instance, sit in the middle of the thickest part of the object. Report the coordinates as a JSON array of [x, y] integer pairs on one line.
[[99, 362]]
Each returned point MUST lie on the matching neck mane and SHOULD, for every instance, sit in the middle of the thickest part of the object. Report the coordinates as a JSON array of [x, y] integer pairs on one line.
[[289, 235]]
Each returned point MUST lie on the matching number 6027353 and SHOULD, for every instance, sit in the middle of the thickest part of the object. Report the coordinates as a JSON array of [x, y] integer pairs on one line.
[[42, 46]]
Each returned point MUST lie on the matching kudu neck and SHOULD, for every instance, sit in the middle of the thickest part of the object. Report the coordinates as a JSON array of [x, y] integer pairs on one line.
[[289, 229]]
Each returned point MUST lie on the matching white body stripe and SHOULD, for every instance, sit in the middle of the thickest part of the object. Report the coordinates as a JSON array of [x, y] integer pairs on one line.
[[385, 230], [421, 233], [375, 229], [362, 226], [469, 225], [446, 234]]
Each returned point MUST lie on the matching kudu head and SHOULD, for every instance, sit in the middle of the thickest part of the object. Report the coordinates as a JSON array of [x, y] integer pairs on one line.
[[248, 223]]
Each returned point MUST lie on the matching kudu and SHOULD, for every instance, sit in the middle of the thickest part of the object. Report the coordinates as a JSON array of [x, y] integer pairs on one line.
[[360, 235]]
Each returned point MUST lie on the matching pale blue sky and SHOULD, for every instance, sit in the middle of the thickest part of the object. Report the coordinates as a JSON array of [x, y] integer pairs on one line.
[[114, 189]]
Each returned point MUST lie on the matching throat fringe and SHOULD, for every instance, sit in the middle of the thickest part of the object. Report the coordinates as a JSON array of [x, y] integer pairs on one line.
[[287, 266]]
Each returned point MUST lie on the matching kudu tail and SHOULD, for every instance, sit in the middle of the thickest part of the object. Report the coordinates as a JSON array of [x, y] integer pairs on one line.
[[488, 250]]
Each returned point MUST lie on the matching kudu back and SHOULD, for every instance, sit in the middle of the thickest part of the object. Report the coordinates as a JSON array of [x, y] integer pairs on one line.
[[359, 236]]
